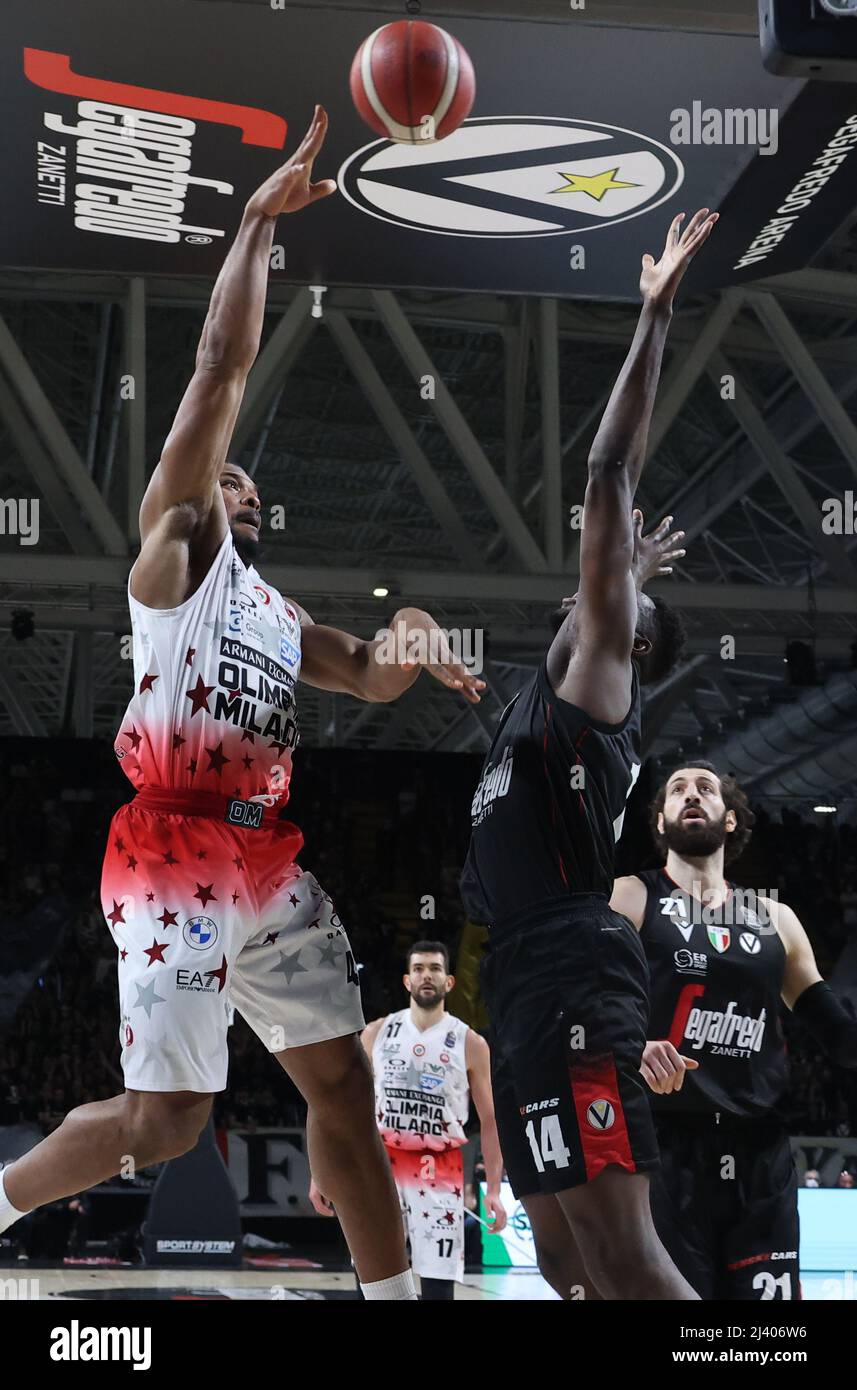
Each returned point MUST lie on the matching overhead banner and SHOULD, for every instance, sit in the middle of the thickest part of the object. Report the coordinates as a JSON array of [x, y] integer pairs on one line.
[[134, 133]]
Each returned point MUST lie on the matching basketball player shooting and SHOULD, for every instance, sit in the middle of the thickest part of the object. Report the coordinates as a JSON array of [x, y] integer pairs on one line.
[[565, 977], [201, 888]]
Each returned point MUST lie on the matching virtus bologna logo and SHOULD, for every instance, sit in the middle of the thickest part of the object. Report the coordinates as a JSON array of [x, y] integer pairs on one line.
[[514, 176]]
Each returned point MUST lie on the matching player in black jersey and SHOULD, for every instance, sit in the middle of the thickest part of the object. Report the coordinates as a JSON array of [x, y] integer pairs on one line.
[[720, 959], [565, 978]]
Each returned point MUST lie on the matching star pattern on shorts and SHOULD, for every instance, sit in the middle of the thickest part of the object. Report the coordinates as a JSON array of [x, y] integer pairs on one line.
[[271, 938], [234, 899], [191, 767], [202, 854], [289, 966], [204, 893], [238, 862], [132, 863], [156, 952], [189, 656], [198, 696], [169, 919], [148, 682], [120, 846], [133, 737], [178, 741], [147, 998]]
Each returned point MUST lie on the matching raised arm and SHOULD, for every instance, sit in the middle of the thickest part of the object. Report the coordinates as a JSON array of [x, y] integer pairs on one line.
[[182, 517], [592, 669]]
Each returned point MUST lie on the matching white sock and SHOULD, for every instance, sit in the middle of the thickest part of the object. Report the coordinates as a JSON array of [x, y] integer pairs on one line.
[[399, 1289], [8, 1213]]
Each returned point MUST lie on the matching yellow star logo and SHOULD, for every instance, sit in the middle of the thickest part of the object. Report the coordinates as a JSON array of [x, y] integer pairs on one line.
[[594, 185]]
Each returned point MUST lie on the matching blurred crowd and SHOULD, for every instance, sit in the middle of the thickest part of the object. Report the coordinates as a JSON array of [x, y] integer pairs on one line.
[[385, 835]]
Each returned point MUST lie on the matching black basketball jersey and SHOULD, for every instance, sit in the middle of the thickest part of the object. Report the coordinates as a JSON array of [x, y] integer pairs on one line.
[[550, 803], [716, 977]]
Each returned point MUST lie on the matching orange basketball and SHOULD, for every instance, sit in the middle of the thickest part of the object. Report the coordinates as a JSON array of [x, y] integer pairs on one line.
[[412, 81]]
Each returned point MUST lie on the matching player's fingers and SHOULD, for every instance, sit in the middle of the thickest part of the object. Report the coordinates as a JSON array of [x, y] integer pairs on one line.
[[674, 231], [648, 261], [661, 528], [694, 224], [703, 233], [650, 1079], [314, 138], [323, 189], [690, 1064]]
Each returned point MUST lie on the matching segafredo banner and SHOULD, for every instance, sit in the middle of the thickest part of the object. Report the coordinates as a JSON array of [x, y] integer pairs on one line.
[[134, 133]]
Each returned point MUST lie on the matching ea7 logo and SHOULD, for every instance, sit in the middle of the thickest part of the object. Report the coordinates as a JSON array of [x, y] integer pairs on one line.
[[514, 176], [600, 1114]]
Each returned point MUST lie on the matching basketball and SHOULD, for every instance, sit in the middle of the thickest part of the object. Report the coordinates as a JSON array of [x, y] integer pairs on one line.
[[412, 82]]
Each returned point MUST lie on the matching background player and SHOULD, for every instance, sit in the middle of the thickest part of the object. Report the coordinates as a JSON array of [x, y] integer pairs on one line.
[[565, 977], [427, 1064], [200, 885], [720, 959]]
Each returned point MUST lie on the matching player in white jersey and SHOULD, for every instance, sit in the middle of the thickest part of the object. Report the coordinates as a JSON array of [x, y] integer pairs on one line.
[[427, 1064], [201, 890]]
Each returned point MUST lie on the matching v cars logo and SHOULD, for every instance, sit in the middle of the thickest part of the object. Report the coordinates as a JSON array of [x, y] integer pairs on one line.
[[514, 176]]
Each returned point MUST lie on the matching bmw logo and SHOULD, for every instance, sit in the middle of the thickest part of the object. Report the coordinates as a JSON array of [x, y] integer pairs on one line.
[[200, 933]]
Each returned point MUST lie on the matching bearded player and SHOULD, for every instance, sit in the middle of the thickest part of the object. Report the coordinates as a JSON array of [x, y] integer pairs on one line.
[[565, 977], [201, 887], [427, 1064], [720, 960]]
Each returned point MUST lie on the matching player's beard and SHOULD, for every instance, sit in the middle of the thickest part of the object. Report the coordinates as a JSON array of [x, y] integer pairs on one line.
[[425, 1000], [247, 546], [696, 839]]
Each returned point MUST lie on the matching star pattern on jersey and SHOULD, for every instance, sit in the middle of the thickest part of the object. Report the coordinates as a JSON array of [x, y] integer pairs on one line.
[[168, 858], [234, 899], [150, 897], [133, 737], [132, 863], [316, 923], [247, 736], [191, 767], [293, 900], [204, 893], [198, 696], [189, 656], [271, 938], [147, 998], [280, 747], [457, 1191], [328, 955], [289, 966], [248, 762], [115, 917], [148, 682], [178, 741], [120, 846], [238, 862], [215, 759], [219, 975], [449, 1218], [202, 854], [156, 952], [169, 919], [123, 954]]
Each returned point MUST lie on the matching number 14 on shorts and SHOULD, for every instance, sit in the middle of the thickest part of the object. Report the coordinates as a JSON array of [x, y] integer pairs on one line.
[[548, 1145]]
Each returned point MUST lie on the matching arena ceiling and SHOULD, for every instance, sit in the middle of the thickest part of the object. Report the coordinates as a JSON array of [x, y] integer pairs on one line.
[[450, 503]]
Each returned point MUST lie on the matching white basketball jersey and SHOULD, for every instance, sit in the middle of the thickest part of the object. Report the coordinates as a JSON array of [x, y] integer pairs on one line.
[[213, 707], [421, 1090]]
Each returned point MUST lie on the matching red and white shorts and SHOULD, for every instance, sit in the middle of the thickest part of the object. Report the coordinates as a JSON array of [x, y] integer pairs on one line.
[[207, 916], [431, 1195]]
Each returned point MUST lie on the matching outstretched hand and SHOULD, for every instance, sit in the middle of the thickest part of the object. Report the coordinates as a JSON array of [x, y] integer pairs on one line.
[[653, 553], [291, 188], [660, 279]]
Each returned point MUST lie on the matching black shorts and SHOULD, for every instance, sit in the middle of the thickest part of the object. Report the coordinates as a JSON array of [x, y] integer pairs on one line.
[[725, 1206], [567, 995]]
